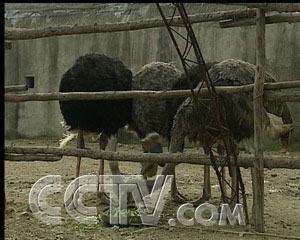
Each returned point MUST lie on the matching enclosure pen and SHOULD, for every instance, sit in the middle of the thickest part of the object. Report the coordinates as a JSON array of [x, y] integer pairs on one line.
[[258, 16]]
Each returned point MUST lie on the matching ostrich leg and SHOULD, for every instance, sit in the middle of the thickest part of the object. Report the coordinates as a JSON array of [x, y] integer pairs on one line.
[[221, 152], [207, 185], [176, 143], [224, 186], [235, 189], [112, 146], [234, 184], [103, 141], [234, 180], [169, 169], [177, 196], [80, 144]]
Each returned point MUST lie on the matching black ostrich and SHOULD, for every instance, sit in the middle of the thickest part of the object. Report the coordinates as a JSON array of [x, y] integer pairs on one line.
[[95, 72], [277, 120]]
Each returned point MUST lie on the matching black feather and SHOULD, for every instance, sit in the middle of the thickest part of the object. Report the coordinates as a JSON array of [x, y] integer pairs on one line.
[[96, 72]]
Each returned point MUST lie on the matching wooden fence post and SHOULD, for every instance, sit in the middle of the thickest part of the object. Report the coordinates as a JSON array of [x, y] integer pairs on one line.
[[258, 169]]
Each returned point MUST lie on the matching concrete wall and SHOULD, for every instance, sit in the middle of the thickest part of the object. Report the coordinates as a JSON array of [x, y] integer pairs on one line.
[[48, 58]]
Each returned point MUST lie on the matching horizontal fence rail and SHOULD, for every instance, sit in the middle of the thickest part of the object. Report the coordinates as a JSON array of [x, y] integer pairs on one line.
[[269, 7], [32, 157], [15, 88], [244, 160], [277, 18], [282, 96], [56, 96], [233, 15], [22, 34]]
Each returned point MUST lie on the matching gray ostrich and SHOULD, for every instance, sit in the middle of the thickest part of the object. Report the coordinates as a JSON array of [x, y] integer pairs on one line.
[[152, 118], [277, 120]]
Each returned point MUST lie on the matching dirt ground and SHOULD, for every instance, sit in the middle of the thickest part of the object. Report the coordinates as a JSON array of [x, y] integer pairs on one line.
[[282, 201]]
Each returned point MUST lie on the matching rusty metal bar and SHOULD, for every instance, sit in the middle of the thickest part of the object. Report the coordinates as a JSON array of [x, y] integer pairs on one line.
[[192, 42]]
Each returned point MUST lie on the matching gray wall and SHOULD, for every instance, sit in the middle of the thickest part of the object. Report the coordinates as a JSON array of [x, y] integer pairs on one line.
[[48, 58]]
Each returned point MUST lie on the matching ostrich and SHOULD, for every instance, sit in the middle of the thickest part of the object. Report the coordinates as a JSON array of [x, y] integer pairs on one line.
[[151, 117], [102, 119], [277, 120], [154, 117]]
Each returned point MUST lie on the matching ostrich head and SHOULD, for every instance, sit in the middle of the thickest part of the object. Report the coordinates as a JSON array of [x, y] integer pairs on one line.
[[153, 137], [152, 143], [276, 128]]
